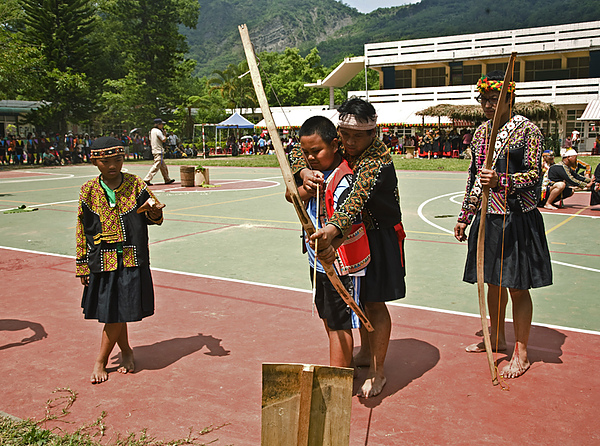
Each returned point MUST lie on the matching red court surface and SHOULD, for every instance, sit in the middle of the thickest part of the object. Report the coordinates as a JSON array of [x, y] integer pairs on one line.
[[199, 364], [578, 203]]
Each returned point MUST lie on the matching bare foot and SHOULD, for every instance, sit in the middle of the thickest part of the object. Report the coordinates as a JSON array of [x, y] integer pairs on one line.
[[127, 363], [550, 207], [372, 387], [515, 368], [480, 348], [99, 374]]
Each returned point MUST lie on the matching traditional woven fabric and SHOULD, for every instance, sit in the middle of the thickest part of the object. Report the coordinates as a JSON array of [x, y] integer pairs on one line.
[[101, 228], [516, 158], [484, 84]]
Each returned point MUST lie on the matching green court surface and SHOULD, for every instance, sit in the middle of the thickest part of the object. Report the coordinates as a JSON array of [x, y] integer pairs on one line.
[[244, 229]]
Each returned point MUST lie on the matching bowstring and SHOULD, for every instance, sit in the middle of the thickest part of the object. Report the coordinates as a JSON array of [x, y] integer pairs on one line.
[[503, 383]]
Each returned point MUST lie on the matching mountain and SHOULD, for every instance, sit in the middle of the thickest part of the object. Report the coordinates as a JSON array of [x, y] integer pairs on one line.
[[273, 26], [338, 30]]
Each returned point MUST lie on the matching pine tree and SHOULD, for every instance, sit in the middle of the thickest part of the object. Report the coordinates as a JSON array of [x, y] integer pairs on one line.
[[62, 30]]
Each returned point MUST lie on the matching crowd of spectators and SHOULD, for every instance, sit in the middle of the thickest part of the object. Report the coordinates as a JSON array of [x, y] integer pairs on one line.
[[432, 143]]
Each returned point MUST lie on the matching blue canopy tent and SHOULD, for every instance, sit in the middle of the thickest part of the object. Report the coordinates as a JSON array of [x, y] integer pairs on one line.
[[235, 121]]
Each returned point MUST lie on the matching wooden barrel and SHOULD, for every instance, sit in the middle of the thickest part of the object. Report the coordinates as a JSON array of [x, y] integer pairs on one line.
[[187, 176]]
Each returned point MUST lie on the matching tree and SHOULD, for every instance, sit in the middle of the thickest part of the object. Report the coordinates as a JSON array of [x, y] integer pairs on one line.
[[19, 60], [235, 85], [285, 74], [150, 53], [61, 30]]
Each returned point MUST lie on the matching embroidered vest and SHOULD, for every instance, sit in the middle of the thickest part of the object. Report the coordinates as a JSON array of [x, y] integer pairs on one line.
[[354, 254]]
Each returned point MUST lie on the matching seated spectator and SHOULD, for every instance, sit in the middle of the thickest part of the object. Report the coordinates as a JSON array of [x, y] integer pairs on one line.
[[595, 198], [49, 159], [563, 180]]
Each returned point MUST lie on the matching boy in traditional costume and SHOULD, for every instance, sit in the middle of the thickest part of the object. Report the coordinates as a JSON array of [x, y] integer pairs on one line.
[[113, 261], [374, 196], [516, 250], [319, 142]]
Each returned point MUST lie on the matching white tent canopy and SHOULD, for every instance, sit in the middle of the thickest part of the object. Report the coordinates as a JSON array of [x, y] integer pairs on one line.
[[294, 117], [387, 114]]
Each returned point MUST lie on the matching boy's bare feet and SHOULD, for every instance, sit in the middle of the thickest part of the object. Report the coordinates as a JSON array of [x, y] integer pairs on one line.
[[550, 207], [372, 387], [480, 348], [99, 374], [127, 363]]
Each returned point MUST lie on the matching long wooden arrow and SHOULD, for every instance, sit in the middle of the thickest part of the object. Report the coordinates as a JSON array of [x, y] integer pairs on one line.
[[500, 116], [288, 177]]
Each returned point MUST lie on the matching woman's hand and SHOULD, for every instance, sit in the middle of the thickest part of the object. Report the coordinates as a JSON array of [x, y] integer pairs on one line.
[[85, 280], [325, 235], [326, 255], [489, 178], [459, 231]]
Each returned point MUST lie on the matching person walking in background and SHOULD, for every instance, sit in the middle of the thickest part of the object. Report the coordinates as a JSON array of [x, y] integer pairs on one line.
[[157, 140]]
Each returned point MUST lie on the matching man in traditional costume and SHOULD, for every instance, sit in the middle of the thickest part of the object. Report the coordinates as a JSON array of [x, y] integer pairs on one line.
[[516, 251], [563, 180]]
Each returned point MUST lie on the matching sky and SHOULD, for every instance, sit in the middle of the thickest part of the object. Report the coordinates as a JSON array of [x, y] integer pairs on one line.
[[371, 5]]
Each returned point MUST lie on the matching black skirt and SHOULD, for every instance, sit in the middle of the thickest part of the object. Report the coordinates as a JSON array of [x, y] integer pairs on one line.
[[385, 273], [123, 295], [526, 258]]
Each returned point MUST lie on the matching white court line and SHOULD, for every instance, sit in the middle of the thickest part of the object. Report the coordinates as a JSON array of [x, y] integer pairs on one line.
[[454, 194], [267, 285], [420, 212], [43, 204]]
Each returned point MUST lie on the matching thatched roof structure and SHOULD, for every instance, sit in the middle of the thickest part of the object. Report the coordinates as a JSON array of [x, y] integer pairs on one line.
[[534, 110]]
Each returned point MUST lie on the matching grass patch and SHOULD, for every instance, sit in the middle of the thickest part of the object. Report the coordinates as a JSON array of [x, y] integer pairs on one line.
[[16, 432]]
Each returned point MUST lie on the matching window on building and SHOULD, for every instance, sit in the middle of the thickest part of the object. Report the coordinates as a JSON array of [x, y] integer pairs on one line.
[[579, 67], [544, 70], [502, 67], [431, 77], [471, 74], [403, 78]]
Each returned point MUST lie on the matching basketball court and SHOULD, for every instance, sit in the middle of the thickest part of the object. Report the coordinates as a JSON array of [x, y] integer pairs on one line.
[[232, 292]]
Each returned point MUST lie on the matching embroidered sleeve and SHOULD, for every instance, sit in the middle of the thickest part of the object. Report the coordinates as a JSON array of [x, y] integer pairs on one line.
[[365, 178], [81, 254], [574, 179], [297, 161], [472, 199]]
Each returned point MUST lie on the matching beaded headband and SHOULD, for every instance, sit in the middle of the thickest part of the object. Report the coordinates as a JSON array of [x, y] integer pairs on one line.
[[484, 84], [107, 152], [350, 122]]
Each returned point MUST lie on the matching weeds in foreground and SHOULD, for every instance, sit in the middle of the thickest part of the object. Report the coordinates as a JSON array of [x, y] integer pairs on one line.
[[14, 432]]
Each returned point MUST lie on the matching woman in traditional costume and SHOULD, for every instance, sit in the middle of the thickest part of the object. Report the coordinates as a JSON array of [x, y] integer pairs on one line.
[[516, 251]]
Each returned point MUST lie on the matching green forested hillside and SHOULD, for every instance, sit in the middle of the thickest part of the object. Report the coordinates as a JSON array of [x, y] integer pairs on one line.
[[273, 25], [338, 30]]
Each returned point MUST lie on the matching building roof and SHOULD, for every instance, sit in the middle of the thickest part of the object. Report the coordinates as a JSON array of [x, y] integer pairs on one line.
[[343, 73], [584, 36], [17, 107], [591, 112]]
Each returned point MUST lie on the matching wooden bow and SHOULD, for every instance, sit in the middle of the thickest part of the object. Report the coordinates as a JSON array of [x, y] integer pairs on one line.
[[501, 115], [288, 177]]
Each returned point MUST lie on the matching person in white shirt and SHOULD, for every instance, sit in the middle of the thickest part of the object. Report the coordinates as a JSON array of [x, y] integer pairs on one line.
[[157, 138]]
